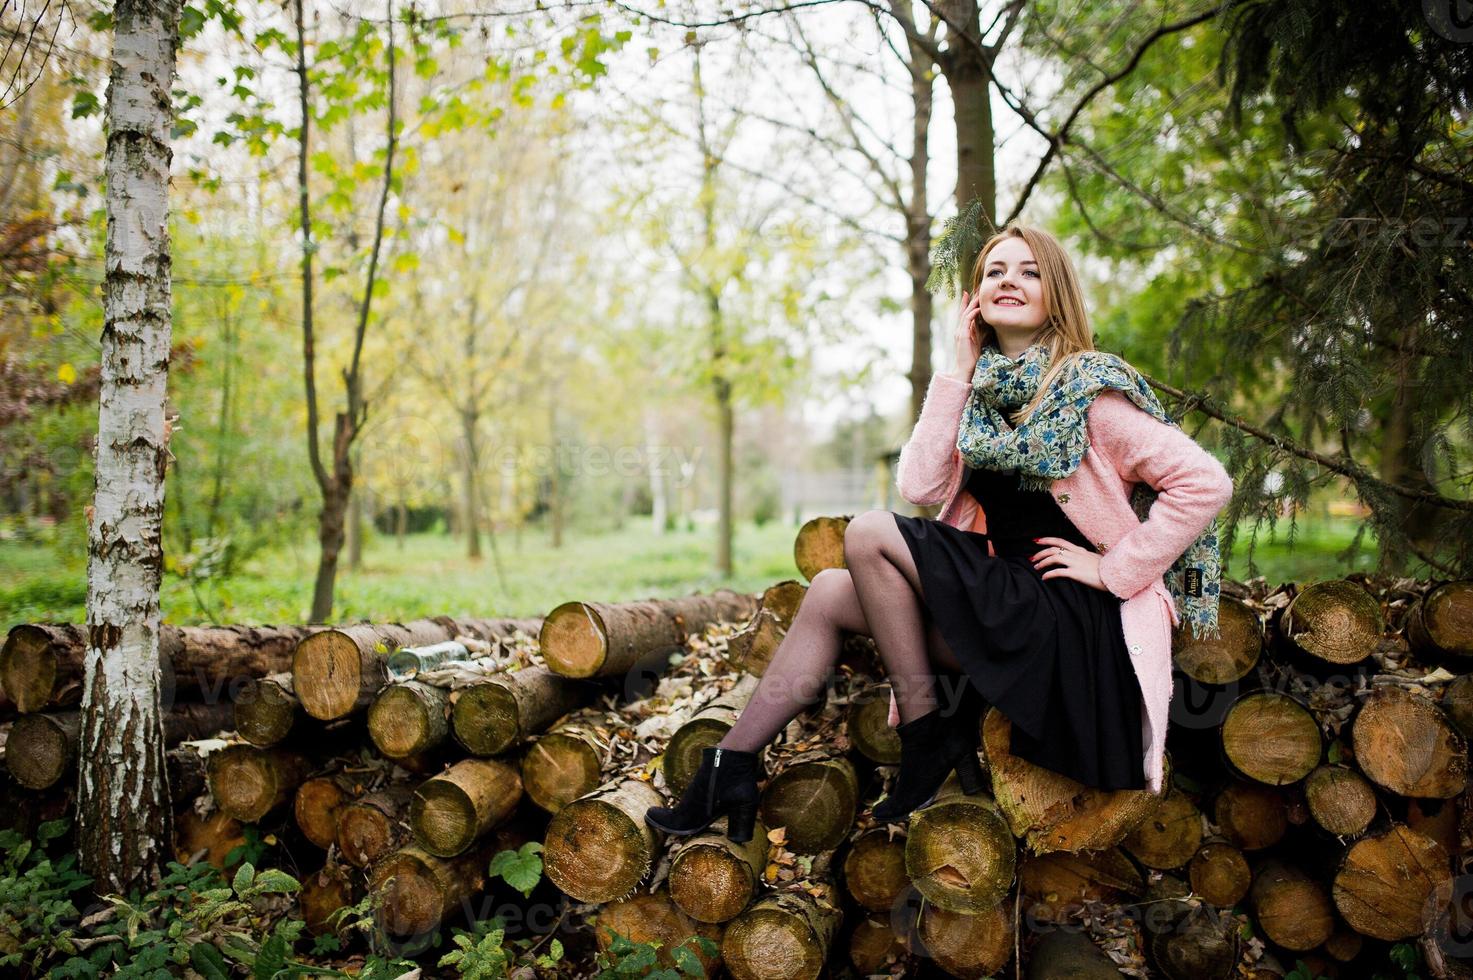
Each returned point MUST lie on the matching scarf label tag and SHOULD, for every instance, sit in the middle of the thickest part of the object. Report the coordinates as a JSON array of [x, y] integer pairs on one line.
[[1194, 582]]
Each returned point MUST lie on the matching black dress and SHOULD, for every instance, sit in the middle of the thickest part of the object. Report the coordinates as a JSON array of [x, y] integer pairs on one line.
[[1049, 654]]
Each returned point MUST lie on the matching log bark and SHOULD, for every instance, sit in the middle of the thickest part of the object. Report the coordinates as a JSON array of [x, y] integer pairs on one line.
[[42, 748], [266, 710], [248, 783], [374, 825], [816, 797], [1051, 811], [41, 664], [338, 671], [820, 545], [704, 729], [1403, 743], [496, 716], [598, 847], [409, 719], [960, 854], [712, 879], [452, 811], [1271, 737], [595, 639]]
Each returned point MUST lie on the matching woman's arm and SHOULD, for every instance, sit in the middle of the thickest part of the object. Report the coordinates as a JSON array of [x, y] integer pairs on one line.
[[925, 467], [1193, 488]]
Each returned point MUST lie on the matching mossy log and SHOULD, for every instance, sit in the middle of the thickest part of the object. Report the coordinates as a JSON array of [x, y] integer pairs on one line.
[[415, 890], [1221, 659], [704, 729], [1169, 837], [499, 714], [960, 854], [874, 870], [968, 945], [409, 719], [785, 935], [597, 639], [41, 748], [266, 710], [1390, 884], [1337, 622], [819, 545], [1051, 811], [713, 879], [1271, 737], [868, 726], [1220, 874], [41, 663], [1440, 624], [1404, 743], [1290, 907], [374, 825], [816, 797], [249, 782], [1340, 800], [336, 672], [565, 763], [598, 847], [653, 917], [456, 808]]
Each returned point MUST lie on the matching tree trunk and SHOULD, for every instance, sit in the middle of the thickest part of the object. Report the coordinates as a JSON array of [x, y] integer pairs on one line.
[[471, 489], [970, 82], [659, 499], [355, 528], [124, 819]]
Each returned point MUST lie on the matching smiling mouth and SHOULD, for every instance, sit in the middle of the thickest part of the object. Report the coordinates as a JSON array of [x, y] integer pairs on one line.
[[1007, 301]]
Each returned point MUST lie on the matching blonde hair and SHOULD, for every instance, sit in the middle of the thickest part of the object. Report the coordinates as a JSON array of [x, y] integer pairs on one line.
[[1067, 330]]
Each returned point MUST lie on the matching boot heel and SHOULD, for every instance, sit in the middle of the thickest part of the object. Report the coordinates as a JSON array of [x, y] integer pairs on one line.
[[969, 773], [739, 822]]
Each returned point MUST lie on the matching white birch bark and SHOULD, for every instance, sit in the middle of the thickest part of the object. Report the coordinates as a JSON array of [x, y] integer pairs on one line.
[[123, 829]]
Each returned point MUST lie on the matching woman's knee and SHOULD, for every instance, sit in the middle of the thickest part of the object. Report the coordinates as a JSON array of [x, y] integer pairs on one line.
[[865, 534], [831, 595]]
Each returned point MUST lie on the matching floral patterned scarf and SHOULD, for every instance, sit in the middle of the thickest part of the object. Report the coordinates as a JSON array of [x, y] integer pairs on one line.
[[1051, 443]]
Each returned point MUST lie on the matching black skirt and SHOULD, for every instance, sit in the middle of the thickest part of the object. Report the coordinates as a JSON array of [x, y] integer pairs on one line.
[[1049, 654]]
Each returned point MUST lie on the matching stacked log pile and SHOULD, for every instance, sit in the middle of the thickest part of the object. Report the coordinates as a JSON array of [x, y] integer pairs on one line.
[[1317, 806]]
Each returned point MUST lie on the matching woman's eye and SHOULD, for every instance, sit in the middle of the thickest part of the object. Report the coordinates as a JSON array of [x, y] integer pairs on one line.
[[1033, 272]]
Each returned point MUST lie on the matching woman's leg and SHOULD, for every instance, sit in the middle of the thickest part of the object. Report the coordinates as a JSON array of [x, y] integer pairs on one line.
[[804, 660], [889, 589]]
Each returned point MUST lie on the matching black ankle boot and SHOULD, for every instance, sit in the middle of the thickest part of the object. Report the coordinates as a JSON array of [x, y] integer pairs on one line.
[[725, 784], [930, 748]]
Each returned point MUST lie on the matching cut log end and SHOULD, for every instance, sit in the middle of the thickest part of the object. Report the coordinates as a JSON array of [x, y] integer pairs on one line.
[[486, 719], [40, 749], [558, 768], [444, 817], [28, 667], [574, 640], [1337, 621], [248, 782], [711, 883], [316, 809], [408, 719], [599, 848], [327, 673], [264, 712]]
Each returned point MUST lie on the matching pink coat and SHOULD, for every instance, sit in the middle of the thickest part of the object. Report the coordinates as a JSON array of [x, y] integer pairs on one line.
[[1126, 445]]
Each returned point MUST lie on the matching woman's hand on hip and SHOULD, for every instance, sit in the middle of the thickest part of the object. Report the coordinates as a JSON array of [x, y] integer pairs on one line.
[[1065, 559]]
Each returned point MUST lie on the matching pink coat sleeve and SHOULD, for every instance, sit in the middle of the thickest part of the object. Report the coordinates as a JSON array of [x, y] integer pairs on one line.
[[924, 470], [1193, 487]]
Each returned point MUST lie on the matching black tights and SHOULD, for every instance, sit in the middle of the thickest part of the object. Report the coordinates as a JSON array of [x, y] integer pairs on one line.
[[880, 586]]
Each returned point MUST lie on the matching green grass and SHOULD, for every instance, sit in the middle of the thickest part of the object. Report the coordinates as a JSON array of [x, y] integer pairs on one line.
[[432, 576]]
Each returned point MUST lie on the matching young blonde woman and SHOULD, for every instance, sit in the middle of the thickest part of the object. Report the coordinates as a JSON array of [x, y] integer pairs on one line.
[[1077, 528]]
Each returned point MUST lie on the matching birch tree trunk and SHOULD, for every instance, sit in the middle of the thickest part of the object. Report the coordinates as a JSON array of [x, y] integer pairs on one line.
[[123, 830]]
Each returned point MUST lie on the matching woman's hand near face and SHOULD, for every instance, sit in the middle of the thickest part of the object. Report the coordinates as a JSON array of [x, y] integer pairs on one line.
[[967, 338]]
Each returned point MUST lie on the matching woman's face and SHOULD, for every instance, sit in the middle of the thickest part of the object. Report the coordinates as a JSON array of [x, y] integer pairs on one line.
[[1012, 288]]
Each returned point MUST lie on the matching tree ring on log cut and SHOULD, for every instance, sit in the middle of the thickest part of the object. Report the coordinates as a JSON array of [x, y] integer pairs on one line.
[[598, 847], [560, 767], [48, 751], [29, 667], [1271, 737], [327, 673], [1337, 621], [960, 853], [577, 639], [407, 719], [486, 719]]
